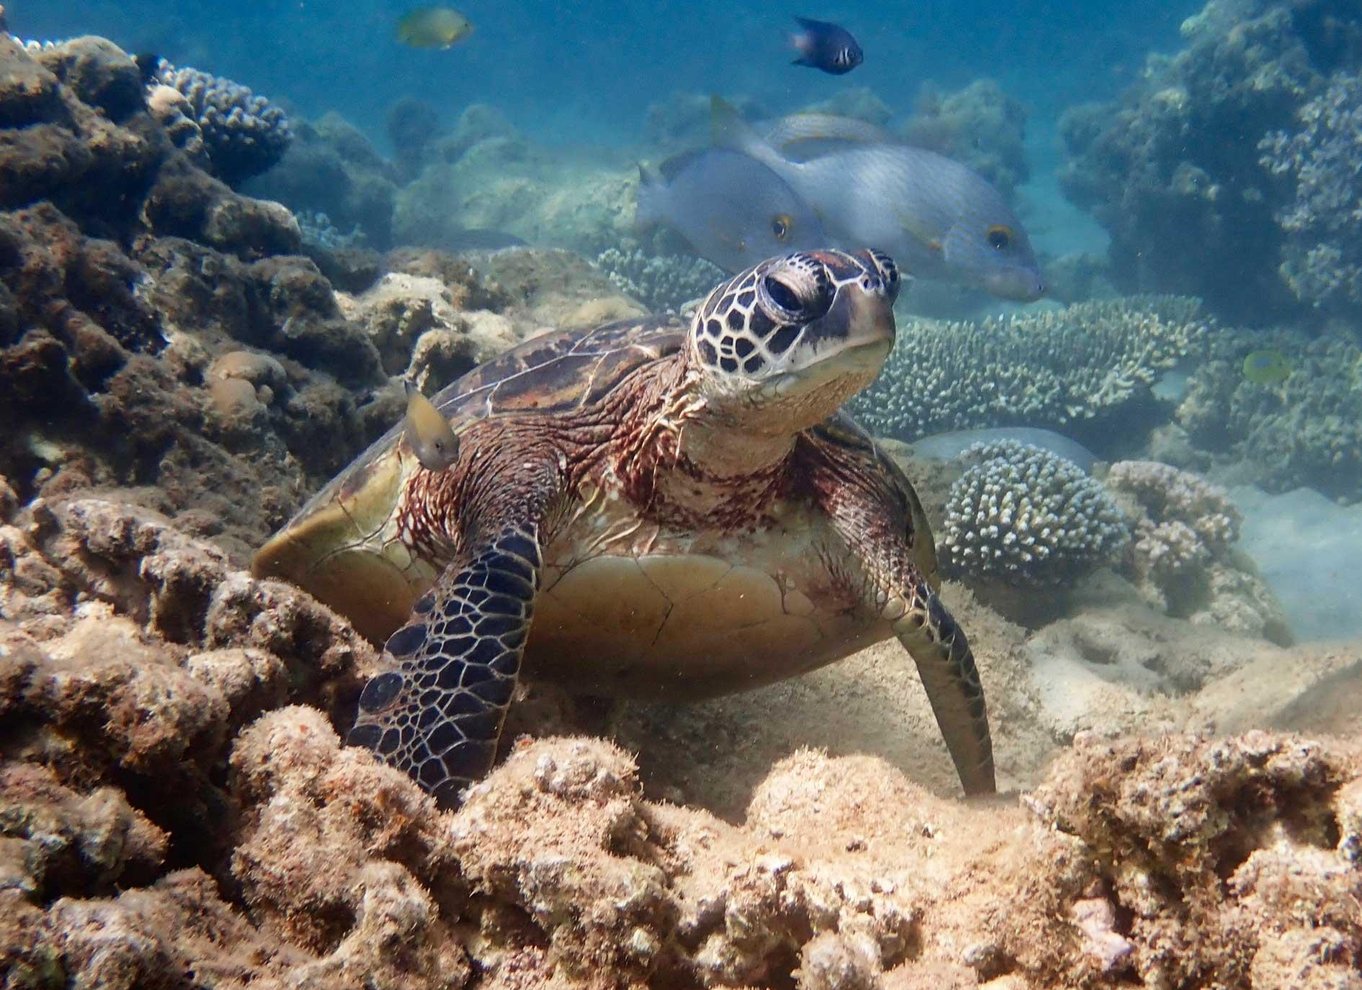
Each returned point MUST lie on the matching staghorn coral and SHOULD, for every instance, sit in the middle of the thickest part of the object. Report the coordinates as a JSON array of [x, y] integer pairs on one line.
[[1024, 515], [1322, 257], [1304, 431], [242, 134], [663, 283], [1059, 368], [1181, 557]]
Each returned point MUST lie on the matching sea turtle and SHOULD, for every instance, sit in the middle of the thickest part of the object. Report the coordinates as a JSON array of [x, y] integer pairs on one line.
[[681, 506]]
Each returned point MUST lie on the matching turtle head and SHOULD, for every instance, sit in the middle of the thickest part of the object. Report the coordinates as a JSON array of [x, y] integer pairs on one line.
[[796, 336]]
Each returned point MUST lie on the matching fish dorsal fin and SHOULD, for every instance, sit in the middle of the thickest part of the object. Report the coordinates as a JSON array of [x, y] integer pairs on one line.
[[728, 130], [674, 165], [786, 133], [809, 24]]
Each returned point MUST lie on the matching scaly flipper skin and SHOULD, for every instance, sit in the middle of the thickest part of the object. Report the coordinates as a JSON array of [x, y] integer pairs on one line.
[[875, 510], [437, 715]]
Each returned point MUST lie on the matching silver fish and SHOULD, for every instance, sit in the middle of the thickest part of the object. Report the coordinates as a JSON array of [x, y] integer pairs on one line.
[[733, 210], [937, 218]]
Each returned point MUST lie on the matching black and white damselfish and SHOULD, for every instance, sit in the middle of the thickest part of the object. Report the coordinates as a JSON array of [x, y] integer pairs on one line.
[[826, 46]]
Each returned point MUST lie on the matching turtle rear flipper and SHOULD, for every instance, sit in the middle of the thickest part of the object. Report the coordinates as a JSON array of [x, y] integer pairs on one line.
[[437, 714]]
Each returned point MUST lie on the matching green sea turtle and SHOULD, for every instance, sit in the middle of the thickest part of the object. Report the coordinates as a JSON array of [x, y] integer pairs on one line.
[[681, 508]]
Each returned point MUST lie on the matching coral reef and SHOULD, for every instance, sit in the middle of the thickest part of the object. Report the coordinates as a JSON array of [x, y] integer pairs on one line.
[[1026, 516], [1303, 431], [1181, 556], [241, 134], [125, 271], [169, 804], [331, 168], [979, 125], [1322, 259], [486, 179], [420, 335], [176, 806], [662, 283], [1157, 171], [1073, 368]]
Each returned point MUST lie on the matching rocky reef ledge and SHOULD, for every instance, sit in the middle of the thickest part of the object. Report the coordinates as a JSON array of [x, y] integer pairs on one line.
[[176, 810]]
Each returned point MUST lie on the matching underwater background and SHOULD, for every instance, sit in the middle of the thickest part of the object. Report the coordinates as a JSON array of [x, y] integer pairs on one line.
[[1127, 387]]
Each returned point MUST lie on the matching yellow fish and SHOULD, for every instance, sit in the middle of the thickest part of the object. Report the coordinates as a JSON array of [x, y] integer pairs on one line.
[[428, 432], [1266, 367], [433, 27]]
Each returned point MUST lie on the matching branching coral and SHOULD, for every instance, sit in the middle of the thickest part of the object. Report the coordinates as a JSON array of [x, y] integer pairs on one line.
[[1306, 430], [1181, 557], [1048, 369], [659, 282], [243, 134], [1322, 256], [1022, 514]]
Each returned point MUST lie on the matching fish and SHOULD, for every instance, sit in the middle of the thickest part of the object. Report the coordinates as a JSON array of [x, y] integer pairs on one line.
[[730, 208], [826, 46], [433, 27], [428, 433], [801, 136], [937, 218], [1266, 367]]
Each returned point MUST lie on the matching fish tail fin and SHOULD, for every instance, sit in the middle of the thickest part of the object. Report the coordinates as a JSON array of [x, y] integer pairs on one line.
[[728, 130], [648, 210]]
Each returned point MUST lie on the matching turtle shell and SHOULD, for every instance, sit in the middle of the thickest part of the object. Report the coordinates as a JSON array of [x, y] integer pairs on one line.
[[341, 547]]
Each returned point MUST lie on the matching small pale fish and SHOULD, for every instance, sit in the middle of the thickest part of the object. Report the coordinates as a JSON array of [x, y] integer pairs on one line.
[[1267, 367], [428, 433], [433, 27], [826, 46], [732, 209], [937, 218]]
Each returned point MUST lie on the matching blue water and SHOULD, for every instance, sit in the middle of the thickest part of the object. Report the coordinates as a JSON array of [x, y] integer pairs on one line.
[[574, 71]]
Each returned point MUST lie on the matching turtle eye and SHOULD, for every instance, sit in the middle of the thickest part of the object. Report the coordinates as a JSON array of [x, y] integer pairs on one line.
[[888, 271], [781, 225], [781, 294], [999, 237]]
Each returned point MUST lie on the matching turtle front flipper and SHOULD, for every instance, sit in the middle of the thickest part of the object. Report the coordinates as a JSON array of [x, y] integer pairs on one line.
[[876, 512], [437, 713], [946, 666]]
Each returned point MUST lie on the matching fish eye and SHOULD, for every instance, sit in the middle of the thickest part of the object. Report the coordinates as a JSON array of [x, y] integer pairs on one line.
[[999, 237], [781, 224]]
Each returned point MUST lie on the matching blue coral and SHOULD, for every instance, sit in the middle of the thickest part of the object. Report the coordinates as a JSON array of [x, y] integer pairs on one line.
[[1322, 255]]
